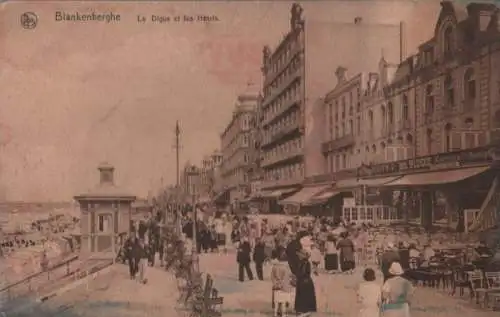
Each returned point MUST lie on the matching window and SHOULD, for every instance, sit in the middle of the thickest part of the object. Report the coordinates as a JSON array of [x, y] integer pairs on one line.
[[358, 124], [449, 92], [470, 137], [344, 161], [469, 88], [107, 177], [336, 111], [448, 41], [351, 127], [337, 162], [390, 113], [343, 131], [336, 132], [104, 223], [406, 110], [370, 119], [429, 99], [429, 141], [383, 116], [447, 138], [343, 107], [470, 140]]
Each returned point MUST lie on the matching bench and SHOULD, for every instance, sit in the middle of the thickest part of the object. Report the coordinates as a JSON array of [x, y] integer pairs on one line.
[[189, 286], [207, 303]]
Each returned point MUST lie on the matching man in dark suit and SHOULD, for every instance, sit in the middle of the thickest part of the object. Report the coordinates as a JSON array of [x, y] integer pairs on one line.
[[243, 258], [259, 256], [131, 249]]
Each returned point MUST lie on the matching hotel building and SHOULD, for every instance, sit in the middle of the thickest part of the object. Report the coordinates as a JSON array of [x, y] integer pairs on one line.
[[237, 149], [431, 128], [312, 56]]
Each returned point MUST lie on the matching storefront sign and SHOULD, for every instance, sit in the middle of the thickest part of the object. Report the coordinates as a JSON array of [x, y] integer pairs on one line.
[[480, 155]]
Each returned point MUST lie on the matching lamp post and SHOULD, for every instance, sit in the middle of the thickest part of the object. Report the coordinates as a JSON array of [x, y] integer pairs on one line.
[[192, 187]]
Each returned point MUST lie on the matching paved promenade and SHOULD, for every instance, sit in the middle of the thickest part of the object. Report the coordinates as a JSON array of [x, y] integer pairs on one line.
[[114, 294], [336, 294]]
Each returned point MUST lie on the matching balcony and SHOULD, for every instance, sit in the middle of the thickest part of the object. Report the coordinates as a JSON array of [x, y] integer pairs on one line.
[[278, 90], [281, 134], [271, 75], [286, 105], [282, 157], [282, 182], [337, 144]]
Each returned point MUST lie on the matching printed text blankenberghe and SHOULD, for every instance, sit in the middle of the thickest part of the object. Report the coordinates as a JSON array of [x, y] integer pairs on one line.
[[109, 17]]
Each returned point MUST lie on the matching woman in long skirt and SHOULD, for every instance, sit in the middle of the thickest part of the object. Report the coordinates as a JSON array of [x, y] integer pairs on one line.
[[305, 295], [331, 255], [346, 248]]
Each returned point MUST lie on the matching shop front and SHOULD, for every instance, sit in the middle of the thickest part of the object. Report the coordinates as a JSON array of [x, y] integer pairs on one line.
[[311, 199], [266, 201], [454, 182]]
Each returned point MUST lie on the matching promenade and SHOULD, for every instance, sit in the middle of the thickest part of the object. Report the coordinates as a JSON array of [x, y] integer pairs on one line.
[[336, 294], [114, 294]]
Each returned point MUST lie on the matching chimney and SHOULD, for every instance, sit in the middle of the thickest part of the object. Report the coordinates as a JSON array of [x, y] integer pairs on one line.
[[106, 172], [358, 20], [402, 41]]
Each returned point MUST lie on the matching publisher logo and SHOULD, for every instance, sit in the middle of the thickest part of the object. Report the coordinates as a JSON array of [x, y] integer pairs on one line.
[[29, 20]]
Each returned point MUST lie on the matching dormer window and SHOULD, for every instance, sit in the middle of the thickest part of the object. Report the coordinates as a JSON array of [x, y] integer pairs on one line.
[[448, 41]]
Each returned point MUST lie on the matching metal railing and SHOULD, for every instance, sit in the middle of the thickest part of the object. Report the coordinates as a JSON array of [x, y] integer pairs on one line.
[[71, 269], [378, 215]]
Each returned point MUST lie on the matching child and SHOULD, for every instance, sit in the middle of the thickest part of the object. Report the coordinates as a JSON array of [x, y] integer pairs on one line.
[[281, 278], [369, 295], [315, 258]]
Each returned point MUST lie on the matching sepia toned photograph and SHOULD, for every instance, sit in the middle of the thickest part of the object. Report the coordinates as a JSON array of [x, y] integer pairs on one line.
[[332, 158]]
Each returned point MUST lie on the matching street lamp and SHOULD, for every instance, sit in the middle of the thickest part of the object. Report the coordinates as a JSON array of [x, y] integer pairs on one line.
[[192, 174]]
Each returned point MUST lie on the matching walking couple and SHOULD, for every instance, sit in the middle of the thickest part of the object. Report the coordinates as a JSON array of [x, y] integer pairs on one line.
[[390, 300]]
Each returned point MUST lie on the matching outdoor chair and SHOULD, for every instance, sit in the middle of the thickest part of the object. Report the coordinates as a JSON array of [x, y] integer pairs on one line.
[[461, 280]]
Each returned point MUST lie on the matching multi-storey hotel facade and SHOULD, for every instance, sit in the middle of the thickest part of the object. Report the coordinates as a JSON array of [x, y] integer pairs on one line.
[[428, 127], [298, 72], [237, 149], [282, 110]]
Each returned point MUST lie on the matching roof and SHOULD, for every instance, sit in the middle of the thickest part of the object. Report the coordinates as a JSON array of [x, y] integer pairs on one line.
[[106, 191]]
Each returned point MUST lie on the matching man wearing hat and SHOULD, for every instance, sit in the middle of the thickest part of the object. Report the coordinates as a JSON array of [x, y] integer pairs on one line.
[[390, 255]]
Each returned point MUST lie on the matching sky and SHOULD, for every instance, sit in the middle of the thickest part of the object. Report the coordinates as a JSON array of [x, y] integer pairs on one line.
[[75, 94]]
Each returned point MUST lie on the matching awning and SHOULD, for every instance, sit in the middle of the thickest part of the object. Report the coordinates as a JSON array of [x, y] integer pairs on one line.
[[438, 177], [370, 182], [304, 195], [323, 197], [273, 193]]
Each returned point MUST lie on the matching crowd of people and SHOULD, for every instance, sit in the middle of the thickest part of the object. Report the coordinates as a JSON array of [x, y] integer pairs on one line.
[[296, 250]]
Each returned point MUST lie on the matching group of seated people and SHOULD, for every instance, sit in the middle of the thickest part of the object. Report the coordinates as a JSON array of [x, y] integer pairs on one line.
[[14, 244], [424, 265]]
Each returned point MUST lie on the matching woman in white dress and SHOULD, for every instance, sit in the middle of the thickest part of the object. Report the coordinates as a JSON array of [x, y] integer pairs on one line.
[[369, 295]]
